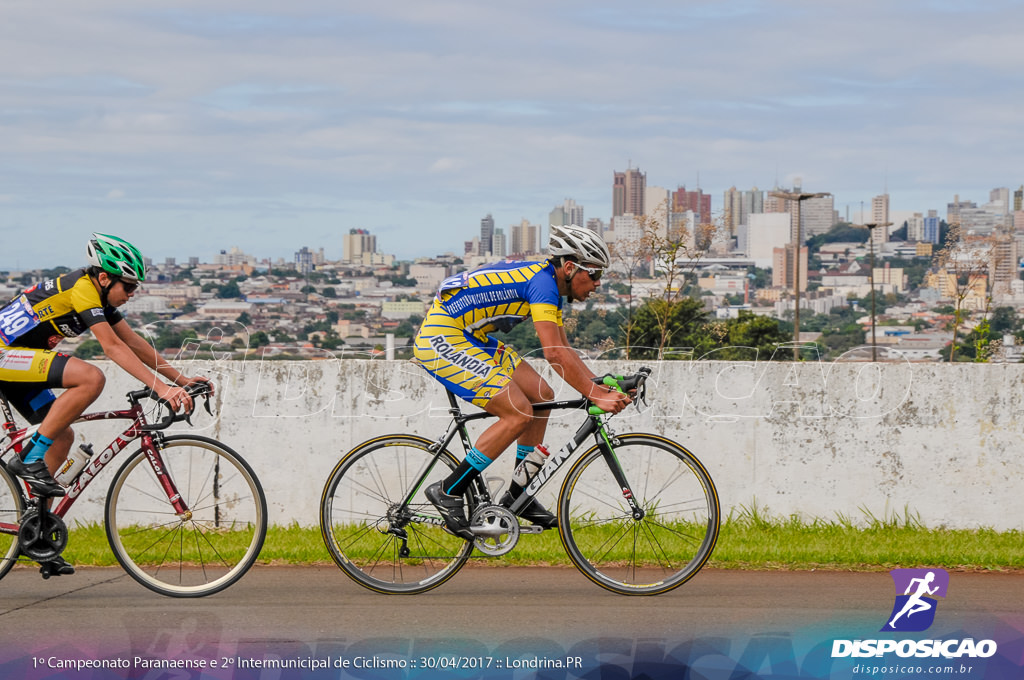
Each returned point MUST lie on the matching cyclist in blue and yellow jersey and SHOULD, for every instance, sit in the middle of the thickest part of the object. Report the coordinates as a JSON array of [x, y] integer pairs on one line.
[[35, 322], [455, 346]]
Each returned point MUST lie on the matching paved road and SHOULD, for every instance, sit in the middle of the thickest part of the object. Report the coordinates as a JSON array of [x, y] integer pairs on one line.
[[300, 611]]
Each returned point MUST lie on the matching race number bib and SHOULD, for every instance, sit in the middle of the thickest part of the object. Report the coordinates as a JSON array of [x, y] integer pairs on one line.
[[16, 319]]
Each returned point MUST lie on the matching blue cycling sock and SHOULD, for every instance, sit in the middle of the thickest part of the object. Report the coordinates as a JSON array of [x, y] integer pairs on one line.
[[38, 446], [522, 451], [457, 482]]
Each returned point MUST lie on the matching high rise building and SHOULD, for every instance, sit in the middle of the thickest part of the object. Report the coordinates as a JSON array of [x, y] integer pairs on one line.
[[783, 267], [739, 204], [817, 215], [628, 193], [1018, 199], [499, 246], [879, 215], [524, 239], [1004, 262], [697, 201], [658, 209], [999, 201], [567, 213], [304, 260], [915, 227], [932, 226], [486, 234], [355, 243]]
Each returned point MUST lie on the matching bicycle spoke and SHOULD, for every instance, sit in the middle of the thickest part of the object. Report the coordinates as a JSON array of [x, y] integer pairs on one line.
[[194, 553], [672, 540], [363, 511]]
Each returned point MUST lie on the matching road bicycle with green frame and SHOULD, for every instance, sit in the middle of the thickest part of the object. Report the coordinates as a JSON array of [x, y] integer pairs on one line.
[[638, 514]]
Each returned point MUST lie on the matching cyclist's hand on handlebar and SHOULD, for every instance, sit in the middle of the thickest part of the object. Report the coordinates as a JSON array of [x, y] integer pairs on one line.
[[199, 380], [609, 399], [176, 397]]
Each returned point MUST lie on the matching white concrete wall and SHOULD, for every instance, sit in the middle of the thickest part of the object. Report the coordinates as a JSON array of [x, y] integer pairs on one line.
[[817, 440]]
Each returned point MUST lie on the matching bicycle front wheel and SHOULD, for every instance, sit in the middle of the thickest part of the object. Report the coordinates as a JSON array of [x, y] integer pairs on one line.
[[203, 550], [374, 536], [10, 518], [653, 554]]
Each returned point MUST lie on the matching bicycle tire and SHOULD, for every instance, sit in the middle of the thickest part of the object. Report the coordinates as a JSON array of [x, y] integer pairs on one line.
[[199, 554], [11, 511], [653, 555], [361, 503]]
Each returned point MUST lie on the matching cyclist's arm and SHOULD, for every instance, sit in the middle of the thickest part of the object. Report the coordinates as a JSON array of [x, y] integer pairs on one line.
[[148, 355], [118, 351], [570, 367]]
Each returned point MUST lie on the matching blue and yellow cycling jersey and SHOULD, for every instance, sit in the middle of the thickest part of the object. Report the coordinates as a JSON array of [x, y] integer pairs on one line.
[[453, 344], [498, 296]]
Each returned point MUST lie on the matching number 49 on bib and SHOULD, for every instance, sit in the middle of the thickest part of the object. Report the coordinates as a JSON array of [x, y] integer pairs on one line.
[[16, 319]]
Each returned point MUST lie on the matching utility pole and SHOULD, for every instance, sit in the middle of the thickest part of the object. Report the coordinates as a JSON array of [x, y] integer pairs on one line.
[[797, 239], [871, 241]]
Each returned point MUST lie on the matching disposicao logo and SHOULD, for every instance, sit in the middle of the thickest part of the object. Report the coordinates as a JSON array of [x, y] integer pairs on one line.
[[914, 611], [916, 590]]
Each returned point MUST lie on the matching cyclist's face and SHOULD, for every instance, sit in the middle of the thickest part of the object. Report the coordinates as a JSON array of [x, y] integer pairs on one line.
[[583, 284], [120, 291]]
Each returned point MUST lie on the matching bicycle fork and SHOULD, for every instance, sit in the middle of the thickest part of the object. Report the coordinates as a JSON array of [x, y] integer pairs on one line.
[[604, 442]]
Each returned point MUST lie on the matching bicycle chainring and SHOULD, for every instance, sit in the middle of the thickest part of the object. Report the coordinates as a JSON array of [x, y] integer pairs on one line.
[[496, 529], [42, 536]]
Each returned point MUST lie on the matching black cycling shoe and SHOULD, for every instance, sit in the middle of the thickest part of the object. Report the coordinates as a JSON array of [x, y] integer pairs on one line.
[[534, 512], [451, 509], [38, 477], [58, 566]]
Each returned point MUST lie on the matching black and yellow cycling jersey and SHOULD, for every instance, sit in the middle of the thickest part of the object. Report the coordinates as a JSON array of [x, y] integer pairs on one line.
[[67, 306]]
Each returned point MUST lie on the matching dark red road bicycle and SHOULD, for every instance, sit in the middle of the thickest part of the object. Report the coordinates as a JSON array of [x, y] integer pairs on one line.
[[185, 515]]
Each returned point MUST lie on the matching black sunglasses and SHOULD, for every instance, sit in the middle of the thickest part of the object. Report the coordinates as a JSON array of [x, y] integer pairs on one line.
[[129, 287]]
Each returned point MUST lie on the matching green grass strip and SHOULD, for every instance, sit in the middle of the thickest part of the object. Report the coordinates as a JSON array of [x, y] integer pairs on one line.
[[748, 540]]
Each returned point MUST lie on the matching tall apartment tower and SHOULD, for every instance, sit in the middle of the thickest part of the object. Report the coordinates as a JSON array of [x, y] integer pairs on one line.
[[739, 205], [932, 227], [486, 234], [524, 239], [355, 243], [628, 193], [1004, 262], [567, 213], [880, 215], [499, 246], [697, 201]]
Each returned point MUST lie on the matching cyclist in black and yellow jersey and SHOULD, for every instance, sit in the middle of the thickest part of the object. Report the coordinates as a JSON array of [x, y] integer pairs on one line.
[[455, 346], [35, 322]]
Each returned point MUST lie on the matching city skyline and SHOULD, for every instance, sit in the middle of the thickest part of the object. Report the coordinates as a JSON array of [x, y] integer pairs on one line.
[[192, 127]]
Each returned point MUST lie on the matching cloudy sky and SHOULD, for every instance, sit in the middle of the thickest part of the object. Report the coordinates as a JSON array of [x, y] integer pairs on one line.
[[190, 127]]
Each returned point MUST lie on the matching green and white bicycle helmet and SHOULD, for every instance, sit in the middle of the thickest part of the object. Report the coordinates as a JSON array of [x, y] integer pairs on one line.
[[117, 257], [579, 243]]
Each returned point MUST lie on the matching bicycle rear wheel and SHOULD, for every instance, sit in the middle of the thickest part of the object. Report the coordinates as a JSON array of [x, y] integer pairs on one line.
[[651, 555], [10, 517], [203, 551], [363, 517]]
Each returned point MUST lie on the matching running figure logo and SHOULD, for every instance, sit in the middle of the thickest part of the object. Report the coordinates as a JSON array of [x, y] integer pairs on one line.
[[914, 610]]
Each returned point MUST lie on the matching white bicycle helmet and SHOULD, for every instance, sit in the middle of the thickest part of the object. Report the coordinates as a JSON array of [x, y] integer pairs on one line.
[[582, 245]]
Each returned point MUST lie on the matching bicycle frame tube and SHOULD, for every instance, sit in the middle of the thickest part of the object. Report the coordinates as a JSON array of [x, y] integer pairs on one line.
[[592, 426], [99, 461]]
